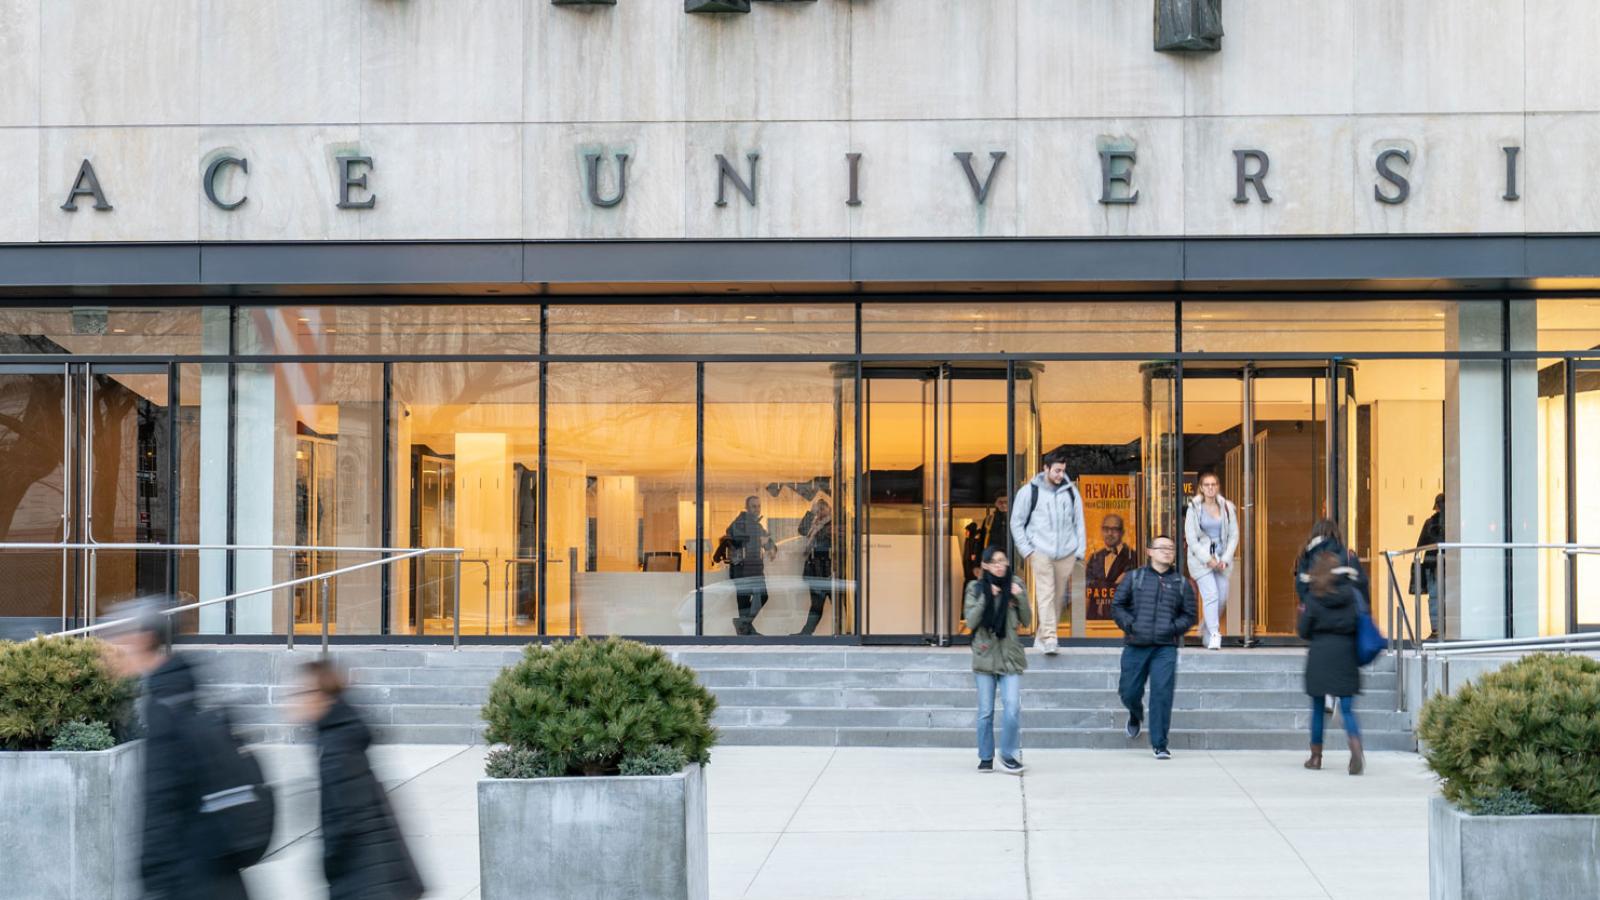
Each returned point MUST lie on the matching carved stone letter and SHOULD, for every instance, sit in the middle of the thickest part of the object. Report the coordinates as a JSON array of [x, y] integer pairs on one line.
[[348, 180], [855, 179], [1243, 176], [87, 184], [210, 181], [592, 164], [981, 192], [1511, 174], [1401, 183], [725, 171], [1110, 175], [1189, 25]]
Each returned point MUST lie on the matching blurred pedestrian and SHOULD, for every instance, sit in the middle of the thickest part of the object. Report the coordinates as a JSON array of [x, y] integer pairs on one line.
[[1328, 621], [1154, 606], [995, 606], [184, 854], [364, 856]]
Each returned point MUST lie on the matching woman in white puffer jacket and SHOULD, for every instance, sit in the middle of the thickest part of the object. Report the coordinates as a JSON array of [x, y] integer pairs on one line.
[[1211, 534]]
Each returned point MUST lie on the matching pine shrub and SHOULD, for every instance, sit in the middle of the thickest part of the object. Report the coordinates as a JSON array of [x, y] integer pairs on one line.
[[47, 683], [84, 736], [658, 760], [518, 762], [1531, 727], [585, 706]]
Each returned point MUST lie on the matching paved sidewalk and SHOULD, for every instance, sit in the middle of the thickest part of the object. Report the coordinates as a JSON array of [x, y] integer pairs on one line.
[[874, 824]]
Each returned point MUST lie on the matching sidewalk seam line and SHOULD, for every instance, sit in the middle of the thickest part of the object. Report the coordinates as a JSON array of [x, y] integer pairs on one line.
[[1278, 831], [789, 821]]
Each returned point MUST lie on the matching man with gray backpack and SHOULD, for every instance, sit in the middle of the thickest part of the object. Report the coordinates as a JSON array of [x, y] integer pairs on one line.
[[208, 812], [1047, 529]]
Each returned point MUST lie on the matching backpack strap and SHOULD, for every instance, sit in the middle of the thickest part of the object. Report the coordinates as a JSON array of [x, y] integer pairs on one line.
[[1033, 504]]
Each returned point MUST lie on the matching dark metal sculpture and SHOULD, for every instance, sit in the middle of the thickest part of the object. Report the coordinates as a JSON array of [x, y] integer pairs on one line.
[[716, 6], [1189, 25], [583, 2]]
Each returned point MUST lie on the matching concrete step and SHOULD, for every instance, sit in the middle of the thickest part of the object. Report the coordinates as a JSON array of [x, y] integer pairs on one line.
[[895, 696]]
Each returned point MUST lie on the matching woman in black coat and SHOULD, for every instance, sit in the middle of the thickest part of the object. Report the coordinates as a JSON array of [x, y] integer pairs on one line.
[[1329, 621], [363, 855]]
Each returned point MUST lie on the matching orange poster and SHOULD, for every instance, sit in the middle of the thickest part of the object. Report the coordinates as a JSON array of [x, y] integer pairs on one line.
[[1108, 521]]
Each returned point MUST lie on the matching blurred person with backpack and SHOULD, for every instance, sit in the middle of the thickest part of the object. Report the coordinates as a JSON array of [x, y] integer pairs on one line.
[[1047, 530], [364, 856], [208, 812], [1333, 596]]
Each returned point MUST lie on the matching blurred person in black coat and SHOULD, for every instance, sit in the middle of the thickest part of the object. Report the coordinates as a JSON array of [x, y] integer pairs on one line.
[[364, 856]]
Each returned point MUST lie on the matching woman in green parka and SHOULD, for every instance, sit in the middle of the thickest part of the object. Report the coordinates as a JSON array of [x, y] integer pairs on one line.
[[995, 607]]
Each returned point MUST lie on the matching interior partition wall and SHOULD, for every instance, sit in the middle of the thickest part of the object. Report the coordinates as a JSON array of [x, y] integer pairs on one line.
[[593, 457]]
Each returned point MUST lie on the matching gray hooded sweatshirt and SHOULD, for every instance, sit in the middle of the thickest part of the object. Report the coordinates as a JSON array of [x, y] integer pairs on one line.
[[1055, 528]]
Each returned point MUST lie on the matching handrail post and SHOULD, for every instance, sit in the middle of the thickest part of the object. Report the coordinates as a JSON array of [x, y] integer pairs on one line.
[[288, 618], [324, 593], [455, 623]]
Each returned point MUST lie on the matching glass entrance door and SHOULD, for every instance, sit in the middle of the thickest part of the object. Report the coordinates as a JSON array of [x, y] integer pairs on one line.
[[936, 440], [88, 452], [1277, 436]]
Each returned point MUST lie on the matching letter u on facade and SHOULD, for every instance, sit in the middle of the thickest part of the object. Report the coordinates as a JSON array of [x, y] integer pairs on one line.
[[592, 172]]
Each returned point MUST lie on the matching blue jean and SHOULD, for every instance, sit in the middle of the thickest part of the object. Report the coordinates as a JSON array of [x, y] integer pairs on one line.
[[1010, 719], [1159, 665], [1347, 710]]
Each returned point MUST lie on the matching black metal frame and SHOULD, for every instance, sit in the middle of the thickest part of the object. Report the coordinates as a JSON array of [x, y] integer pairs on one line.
[[858, 359]]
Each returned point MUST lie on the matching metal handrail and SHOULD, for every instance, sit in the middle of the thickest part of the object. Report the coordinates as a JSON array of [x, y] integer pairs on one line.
[[399, 554], [1446, 649]]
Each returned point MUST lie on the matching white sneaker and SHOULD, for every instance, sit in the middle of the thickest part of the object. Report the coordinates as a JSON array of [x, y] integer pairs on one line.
[[1215, 643]]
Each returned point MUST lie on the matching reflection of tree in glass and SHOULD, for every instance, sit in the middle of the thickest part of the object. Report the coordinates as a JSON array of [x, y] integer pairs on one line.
[[30, 441]]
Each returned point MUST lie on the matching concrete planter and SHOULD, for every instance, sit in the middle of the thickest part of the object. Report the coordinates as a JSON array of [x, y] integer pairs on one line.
[[71, 824], [643, 838], [1493, 857]]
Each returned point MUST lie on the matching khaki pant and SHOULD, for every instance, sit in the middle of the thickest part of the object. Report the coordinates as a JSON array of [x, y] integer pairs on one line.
[[1052, 588]]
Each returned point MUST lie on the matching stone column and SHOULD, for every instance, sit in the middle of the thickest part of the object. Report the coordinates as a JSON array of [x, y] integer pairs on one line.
[[213, 475]]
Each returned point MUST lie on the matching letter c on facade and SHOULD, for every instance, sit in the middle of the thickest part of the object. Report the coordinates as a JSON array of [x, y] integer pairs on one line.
[[210, 182]]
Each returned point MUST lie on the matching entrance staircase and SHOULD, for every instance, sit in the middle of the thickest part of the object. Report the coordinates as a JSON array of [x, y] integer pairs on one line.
[[835, 696]]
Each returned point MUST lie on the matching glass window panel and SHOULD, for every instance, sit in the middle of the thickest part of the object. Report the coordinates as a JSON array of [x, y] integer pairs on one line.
[[33, 427], [1340, 326], [621, 498], [202, 492], [775, 435], [1569, 323], [414, 329], [990, 325], [1098, 411], [308, 463], [667, 328], [114, 331], [465, 472]]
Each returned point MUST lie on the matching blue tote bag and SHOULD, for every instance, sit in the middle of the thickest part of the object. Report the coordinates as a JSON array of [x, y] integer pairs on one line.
[[1369, 640]]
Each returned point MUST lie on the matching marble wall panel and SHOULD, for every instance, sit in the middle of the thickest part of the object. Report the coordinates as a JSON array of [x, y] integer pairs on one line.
[[1279, 57], [1093, 58], [1563, 69], [555, 185], [605, 63], [1438, 56], [921, 61], [784, 61], [1457, 174], [1307, 176], [19, 185], [913, 186], [801, 182], [288, 61], [291, 190], [150, 176], [111, 62], [442, 181], [19, 62], [1560, 181], [459, 61], [1060, 178]]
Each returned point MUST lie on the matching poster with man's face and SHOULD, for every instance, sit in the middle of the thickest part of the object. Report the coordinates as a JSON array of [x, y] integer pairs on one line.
[[1108, 519]]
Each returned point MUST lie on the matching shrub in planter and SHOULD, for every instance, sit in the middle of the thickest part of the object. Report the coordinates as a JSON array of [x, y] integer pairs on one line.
[[1524, 739], [48, 684], [78, 737], [587, 707]]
